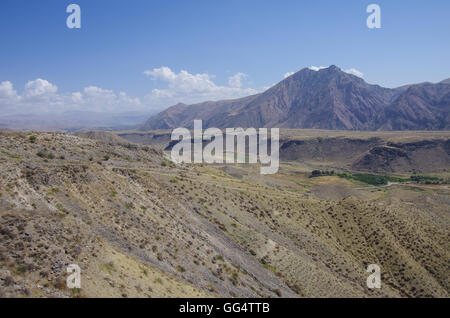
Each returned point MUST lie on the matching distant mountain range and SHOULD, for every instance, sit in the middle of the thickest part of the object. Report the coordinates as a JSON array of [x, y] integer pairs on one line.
[[326, 99], [73, 120]]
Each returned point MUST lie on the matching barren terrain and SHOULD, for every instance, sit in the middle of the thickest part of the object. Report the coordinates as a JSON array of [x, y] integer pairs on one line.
[[140, 226]]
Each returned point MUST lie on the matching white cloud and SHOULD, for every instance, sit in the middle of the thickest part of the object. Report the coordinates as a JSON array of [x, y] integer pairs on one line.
[[77, 97], [102, 100], [183, 81], [7, 91], [42, 96], [236, 79], [38, 95], [354, 72], [164, 73], [93, 94], [265, 88], [8, 97], [192, 88], [39, 89], [317, 68], [288, 74]]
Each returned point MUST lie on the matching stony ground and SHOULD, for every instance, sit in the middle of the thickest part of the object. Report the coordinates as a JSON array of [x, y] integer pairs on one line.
[[140, 226]]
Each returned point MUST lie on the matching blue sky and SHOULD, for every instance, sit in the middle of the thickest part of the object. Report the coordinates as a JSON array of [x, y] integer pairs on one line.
[[227, 48]]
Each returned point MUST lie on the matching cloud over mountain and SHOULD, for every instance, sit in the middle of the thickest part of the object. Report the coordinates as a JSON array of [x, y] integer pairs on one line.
[[190, 88], [355, 72], [288, 74]]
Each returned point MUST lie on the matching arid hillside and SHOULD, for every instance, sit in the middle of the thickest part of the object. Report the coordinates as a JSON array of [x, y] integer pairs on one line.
[[375, 152], [371, 153], [140, 226]]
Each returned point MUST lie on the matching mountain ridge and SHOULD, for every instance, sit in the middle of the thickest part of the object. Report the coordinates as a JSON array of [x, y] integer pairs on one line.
[[325, 99]]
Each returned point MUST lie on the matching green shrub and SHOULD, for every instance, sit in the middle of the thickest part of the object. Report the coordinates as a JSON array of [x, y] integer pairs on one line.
[[180, 269], [319, 173], [45, 154], [277, 292]]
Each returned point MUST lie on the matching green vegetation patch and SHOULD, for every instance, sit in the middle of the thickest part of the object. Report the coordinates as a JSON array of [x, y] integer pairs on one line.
[[379, 180], [372, 179], [45, 154]]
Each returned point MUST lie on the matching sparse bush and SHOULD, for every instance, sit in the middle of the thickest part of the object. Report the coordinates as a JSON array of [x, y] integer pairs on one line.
[[277, 292], [109, 267], [270, 268], [8, 281], [32, 139], [316, 173], [45, 154], [165, 163], [235, 277], [21, 269], [180, 269], [75, 292], [60, 283], [53, 191], [144, 271]]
